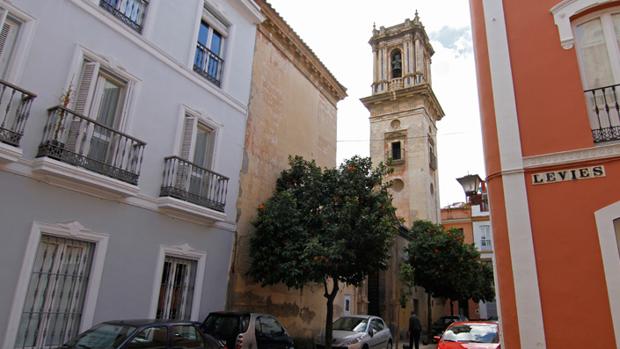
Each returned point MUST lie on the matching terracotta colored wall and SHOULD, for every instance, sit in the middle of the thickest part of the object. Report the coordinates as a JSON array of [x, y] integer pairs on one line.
[[569, 260]]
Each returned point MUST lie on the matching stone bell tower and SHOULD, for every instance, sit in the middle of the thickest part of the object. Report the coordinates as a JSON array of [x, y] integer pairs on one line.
[[403, 133], [403, 115]]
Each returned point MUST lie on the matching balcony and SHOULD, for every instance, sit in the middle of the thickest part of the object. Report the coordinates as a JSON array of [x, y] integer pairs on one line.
[[74, 139], [130, 12], [604, 113], [208, 64], [15, 104], [191, 189]]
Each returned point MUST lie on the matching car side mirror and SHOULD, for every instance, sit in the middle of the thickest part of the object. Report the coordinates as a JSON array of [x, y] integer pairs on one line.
[[372, 332], [436, 338]]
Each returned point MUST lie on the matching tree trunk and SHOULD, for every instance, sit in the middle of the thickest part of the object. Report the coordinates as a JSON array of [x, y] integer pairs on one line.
[[429, 318], [329, 318]]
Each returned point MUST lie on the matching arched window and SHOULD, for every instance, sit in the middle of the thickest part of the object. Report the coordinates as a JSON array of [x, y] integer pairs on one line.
[[397, 64]]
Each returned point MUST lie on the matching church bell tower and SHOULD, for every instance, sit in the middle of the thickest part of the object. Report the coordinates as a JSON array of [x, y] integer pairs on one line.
[[403, 134], [403, 115]]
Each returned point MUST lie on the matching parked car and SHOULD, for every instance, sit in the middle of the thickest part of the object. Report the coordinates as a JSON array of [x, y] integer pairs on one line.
[[443, 322], [470, 335], [358, 331], [244, 330], [144, 334]]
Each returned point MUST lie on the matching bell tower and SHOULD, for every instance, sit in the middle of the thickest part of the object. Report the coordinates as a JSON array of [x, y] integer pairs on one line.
[[403, 134], [403, 115]]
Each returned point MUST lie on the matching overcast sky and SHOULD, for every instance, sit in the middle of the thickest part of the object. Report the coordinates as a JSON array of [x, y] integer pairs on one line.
[[338, 32]]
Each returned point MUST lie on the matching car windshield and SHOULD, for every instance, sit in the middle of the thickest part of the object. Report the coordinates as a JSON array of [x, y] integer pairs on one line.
[[224, 325], [353, 324], [470, 333], [103, 336]]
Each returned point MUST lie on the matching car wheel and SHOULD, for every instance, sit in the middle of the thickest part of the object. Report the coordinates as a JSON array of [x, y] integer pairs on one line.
[[389, 346]]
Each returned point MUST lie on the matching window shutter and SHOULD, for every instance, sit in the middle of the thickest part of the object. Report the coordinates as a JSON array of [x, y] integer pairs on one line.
[[83, 96], [189, 132], [85, 87], [8, 39], [210, 150]]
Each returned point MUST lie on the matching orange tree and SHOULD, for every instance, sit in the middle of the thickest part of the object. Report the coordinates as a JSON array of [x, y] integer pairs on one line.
[[447, 267], [326, 226]]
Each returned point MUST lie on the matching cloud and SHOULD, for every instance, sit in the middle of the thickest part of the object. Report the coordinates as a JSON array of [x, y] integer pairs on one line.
[[456, 39]]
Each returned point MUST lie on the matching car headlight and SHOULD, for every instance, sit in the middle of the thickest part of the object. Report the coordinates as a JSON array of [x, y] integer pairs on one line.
[[352, 341]]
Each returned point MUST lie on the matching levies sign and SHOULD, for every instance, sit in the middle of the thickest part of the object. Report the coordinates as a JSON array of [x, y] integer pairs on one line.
[[568, 175]]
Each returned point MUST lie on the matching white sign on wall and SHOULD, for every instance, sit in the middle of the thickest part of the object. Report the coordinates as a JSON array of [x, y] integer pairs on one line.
[[568, 175]]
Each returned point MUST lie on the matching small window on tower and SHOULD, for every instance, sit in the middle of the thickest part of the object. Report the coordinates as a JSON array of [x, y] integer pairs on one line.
[[396, 151]]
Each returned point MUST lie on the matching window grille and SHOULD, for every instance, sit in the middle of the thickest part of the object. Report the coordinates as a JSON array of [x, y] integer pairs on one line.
[[54, 302], [177, 289]]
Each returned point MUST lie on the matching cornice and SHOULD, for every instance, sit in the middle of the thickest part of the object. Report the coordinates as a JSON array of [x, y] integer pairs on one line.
[[407, 28], [423, 90], [277, 31], [601, 152]]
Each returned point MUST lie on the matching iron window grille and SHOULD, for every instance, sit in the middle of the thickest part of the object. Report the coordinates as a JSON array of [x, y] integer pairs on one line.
[[15, 104], [54, 302], [78, 140], [208, 64], [130, 12], [177, 289]]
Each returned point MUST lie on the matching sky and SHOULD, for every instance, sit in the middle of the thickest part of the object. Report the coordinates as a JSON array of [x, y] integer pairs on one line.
[[338, 32]]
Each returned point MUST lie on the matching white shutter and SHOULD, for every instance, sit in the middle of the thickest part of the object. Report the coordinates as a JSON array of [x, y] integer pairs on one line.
[[85, 87], [8, 39], [189, 134]]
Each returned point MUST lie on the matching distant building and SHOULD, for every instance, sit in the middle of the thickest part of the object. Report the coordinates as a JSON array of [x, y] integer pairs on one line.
[[119, 172], [292, 112], [473, 219], [403, 132], [549, 85]]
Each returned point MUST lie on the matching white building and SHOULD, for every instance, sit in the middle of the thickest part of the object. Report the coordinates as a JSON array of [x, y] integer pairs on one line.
[[118, 180]]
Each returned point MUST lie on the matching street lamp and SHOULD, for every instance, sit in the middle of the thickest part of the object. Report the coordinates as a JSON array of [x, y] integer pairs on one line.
[[470, 184]]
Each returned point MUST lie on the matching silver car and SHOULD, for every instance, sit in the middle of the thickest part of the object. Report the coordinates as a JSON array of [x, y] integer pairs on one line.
[[358, 332]]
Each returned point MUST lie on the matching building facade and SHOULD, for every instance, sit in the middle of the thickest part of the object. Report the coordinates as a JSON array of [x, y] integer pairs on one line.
[[119, 171], [473, 220], [403, 132], [548, 76], [292, 112]]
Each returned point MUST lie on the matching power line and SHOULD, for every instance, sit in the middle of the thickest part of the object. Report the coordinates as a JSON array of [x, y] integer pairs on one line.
[[382, 139]]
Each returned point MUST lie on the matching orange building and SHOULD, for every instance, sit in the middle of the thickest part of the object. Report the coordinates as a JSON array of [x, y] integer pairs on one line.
[[548, 79]]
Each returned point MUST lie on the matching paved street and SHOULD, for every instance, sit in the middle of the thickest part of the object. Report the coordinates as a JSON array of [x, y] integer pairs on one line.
[[430, 346]]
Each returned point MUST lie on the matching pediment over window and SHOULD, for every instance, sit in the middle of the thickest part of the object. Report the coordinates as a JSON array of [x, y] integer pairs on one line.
[[564, 11]]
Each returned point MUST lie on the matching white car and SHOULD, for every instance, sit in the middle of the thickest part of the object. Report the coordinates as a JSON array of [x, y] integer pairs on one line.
[[358, 332]]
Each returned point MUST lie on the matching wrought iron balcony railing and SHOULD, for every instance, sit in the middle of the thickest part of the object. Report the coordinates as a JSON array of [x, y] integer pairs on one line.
[[186, 181], [604, 105], [208, 64], [15, 106], [77, 140], [130, 12]]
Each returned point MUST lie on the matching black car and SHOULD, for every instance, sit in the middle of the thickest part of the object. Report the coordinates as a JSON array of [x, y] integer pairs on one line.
[[245, 330], [144, 334], [443, 322]]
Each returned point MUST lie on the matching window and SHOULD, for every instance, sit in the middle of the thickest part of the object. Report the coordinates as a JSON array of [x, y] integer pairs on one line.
[[197, 147], [208, 60], [99, 95], [485, 238], [150, 338], [186, 337], [54, 302], [598, 47], [269, 327], [396, 151], [130, 12], [177, 289], [347, 304]]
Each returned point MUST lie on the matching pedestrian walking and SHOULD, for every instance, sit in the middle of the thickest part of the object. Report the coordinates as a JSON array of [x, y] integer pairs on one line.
[[415, 329]]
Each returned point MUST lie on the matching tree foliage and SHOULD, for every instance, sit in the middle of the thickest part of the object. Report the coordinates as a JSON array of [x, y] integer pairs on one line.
[[323, 225], [447, 267]]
